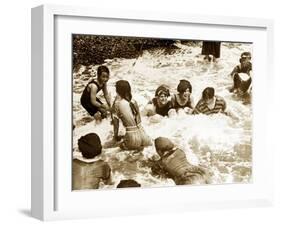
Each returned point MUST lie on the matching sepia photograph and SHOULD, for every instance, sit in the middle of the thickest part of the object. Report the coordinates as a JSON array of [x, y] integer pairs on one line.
[[154, 112]]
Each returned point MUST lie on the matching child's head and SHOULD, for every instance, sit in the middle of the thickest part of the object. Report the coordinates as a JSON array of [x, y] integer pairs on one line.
[[123, 89], [163, 144], [90, 145], [128, 184], [208, 94], [245, 57], [162, 93], [184, 87], [103, 74]]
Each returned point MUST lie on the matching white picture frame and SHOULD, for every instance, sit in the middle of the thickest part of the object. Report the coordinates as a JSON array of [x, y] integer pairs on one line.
[[52, 197]]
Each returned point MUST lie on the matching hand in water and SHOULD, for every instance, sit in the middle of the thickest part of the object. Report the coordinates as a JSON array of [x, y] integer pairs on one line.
[[188, 110], [118, 138], [105, 107]]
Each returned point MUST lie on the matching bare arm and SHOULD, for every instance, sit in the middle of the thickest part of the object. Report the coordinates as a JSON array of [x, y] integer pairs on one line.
[[234, 71], [191, 102], [148, 110], [173, 101], [106, 96], [93, 93], [196, 110], [115, 122]]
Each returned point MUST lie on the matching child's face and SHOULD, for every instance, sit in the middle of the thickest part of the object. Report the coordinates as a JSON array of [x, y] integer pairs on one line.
[[245, 63], [104, 77], [163, 99], [210, 101], [185, 94], [245, 59]]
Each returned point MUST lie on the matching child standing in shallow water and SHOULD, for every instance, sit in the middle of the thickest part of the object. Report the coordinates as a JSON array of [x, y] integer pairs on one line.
[[127, 110], [210, 103]]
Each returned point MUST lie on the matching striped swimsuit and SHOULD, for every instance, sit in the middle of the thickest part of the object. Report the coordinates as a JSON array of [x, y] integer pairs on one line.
[[203, 108]]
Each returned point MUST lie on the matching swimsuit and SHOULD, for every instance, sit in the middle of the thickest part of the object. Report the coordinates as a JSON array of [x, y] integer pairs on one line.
[[86, 99]]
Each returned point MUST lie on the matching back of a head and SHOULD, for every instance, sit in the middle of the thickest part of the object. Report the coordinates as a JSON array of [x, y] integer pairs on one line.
[[90, 145], [128, 184], [208, 93], [163, 144], [123, 89], [183, 86]]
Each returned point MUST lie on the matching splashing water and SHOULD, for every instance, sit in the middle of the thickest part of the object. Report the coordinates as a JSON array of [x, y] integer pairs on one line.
[[219, 143]]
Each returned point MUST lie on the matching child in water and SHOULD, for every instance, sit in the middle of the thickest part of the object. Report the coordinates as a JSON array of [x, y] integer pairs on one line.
[[242, 74], [87, 171], [89, 99], [183, 100], [210, 103], [174, 162], [160, 106], [126, 109]]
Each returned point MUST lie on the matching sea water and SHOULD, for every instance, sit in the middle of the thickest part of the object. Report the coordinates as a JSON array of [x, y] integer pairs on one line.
[[220, 143]]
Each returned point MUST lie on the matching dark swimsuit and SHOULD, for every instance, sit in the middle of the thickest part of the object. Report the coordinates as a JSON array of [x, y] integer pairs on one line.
[[86, 99], [238, 83], [162, 110], [177, 105]]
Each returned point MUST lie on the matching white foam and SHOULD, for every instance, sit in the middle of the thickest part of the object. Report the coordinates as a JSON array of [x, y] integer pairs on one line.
[[205, 139]]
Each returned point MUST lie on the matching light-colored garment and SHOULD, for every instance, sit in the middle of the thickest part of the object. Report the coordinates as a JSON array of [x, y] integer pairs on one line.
[[87, 175], [174, 161], [135, 137], [181, 170]]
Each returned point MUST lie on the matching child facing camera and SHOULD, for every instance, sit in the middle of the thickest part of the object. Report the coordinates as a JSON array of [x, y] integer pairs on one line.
[[183, 101], [160, 106], [89, 100], [242, 74]]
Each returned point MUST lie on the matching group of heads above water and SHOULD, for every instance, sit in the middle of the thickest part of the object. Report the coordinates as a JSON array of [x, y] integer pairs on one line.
[[164, 104], [88, 171]]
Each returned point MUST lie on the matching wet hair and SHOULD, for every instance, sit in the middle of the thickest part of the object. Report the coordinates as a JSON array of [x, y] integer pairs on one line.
[[208, 93], [163, 144], [123, 89], [245, 55], [162, 90], [184, 85], [102, 69], [90, 145], [128, 183]]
